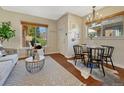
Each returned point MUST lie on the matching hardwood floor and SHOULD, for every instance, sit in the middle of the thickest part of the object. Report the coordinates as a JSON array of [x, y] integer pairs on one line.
[[63, 61], [90, 81]]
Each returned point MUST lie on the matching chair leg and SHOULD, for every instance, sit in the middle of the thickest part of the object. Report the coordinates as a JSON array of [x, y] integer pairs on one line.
[[75, 61], [103, 68], [91, 68], [88, 62], [98, 65], [106, 60], [84, 60], [112, 63]]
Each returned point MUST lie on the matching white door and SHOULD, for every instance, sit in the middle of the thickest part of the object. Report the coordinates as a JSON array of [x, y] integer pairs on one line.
[[61, 39]]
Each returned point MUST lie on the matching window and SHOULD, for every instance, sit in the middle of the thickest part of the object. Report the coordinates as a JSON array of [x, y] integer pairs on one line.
[[41, 35], [95, 30], [108, 28], [34, 33], [113, 29]]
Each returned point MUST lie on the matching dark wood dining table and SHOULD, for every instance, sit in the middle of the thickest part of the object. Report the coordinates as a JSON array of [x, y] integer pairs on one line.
[[85, 50]]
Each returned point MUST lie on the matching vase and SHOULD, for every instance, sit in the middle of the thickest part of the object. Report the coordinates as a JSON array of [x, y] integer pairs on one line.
[[1, 44]]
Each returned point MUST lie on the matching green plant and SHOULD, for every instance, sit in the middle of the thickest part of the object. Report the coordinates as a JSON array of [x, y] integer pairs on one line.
[[41, 41], [6, 31], [91, 35], [31, 31]]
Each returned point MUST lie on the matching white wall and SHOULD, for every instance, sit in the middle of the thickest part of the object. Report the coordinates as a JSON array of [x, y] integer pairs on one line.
[[16, 18], [118, 56]]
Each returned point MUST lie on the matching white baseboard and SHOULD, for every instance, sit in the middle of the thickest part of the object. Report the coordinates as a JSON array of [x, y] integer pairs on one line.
[[51, 53], [118, 65]]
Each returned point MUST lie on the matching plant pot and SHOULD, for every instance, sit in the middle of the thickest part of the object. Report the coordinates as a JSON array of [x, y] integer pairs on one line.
[[1, 44]]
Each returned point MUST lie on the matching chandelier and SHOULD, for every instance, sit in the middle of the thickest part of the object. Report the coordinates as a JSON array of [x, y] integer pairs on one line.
[[93, 16]]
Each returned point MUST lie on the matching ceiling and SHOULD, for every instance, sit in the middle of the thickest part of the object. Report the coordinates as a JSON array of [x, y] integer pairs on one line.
[[51, 12]]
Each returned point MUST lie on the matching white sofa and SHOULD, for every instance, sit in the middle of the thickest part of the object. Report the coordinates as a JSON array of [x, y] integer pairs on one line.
[[7, 64]]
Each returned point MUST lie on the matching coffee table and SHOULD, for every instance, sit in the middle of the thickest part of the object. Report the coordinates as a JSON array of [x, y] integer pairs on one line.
[[34, 65]]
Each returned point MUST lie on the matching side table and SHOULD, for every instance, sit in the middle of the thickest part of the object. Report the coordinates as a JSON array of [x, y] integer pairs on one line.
[[34, 65]]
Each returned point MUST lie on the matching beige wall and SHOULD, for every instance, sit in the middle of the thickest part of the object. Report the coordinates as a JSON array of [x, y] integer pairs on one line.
[[62, 39], [118, 43], [68, 24], [54, 28], [74, 28], [15, 19]]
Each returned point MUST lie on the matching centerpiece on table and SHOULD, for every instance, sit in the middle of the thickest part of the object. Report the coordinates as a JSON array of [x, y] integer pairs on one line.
[[91, 41]]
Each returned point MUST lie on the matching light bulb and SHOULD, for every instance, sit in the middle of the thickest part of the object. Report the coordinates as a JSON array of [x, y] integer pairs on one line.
[[97, 13], [101, 15], [87, 18]]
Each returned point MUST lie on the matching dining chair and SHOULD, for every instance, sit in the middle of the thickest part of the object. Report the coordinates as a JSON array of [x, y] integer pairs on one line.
[[78, 53], [84, 48], [95, 56], [108, 54]]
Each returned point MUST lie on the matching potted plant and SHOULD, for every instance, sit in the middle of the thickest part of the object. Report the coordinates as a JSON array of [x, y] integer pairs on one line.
[[6, 31], [91, 42], [91, 35]]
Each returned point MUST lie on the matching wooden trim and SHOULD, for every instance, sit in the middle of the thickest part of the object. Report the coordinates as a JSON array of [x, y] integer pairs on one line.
[[34, 24], [107, 17]]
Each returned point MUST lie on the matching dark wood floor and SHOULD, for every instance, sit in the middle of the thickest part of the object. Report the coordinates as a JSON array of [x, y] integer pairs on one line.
[[90, 81]]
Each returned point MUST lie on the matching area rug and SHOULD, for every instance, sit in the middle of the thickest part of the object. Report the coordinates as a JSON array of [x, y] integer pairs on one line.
[[52, 74], [110, 78]]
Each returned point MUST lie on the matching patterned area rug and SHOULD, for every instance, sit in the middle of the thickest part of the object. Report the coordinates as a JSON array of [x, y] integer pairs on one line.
[[110, 78], [52, 74]]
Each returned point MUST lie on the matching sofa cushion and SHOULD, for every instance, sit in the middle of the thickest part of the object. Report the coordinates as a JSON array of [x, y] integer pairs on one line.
[[13, 58], [6, 65], [2, 52], [5, 68]]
